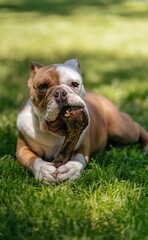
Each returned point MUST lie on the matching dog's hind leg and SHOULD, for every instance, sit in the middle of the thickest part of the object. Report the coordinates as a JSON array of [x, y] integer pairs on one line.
[[143, 137], [122, 129]]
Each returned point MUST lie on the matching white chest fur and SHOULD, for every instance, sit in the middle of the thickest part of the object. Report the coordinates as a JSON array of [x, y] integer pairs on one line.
[[43, 143]]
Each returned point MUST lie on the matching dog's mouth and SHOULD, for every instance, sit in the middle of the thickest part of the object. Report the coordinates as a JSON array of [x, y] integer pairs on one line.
[[58, 126]]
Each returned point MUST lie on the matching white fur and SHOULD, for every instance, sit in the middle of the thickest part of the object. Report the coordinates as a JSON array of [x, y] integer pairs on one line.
[[73, 99], [67, 75], [53, 110], [43, 143], [41, 117], [44, 171], [72, 169]]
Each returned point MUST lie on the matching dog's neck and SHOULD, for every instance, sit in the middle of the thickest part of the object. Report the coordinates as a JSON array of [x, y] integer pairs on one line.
[[41, 118]]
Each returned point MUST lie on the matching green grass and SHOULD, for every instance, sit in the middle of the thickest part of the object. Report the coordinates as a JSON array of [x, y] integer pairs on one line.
[[109, 201]]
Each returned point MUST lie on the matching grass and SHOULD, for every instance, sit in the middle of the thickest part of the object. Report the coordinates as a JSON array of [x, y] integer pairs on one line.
[[109, 201]]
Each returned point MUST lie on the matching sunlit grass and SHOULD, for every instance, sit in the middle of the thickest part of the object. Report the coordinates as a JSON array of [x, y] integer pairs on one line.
[[87, 29]]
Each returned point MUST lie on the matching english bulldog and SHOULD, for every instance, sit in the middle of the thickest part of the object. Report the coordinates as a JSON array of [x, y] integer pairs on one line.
[[42, 132]]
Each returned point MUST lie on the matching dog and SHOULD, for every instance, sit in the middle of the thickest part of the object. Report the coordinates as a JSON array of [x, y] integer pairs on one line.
[[40, 130]]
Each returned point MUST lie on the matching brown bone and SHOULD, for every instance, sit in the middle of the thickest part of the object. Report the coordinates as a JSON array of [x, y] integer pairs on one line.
[[76, 120]]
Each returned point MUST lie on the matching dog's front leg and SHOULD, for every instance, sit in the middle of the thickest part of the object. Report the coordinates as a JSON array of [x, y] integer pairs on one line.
[[42, 170]]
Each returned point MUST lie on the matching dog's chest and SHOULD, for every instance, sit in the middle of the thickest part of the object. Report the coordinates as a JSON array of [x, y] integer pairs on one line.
[[43, 143]]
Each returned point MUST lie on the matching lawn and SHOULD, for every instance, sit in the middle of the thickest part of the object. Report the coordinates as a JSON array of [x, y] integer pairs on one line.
[[110, 38]]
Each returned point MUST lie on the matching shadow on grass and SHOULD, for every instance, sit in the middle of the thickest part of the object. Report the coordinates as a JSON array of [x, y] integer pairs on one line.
[[67, 7], [59, 7], [13, 85], [125, 70], [15, 222], [8, 136]]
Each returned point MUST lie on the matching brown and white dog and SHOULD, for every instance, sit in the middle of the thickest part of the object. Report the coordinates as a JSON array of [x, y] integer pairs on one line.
[[41, 131]]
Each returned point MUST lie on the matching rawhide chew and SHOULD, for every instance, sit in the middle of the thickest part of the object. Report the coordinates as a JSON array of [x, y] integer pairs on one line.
[[76, 120]]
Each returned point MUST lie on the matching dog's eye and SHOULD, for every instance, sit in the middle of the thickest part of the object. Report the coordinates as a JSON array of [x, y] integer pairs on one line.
[[42, 88], [75, 84]]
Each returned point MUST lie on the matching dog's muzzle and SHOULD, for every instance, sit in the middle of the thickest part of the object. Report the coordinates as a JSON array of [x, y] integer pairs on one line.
[[60, 96]]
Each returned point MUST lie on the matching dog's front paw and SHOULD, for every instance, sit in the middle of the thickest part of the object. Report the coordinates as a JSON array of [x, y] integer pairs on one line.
[[44, 171], [72, 169]]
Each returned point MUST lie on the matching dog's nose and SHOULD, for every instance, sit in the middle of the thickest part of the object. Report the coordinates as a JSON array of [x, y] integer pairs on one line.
[[60, 95]]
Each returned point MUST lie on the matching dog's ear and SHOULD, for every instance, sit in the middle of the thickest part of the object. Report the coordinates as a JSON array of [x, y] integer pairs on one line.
[[74, 63], [34, 66]]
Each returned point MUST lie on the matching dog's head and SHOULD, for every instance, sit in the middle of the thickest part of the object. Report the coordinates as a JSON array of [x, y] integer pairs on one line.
[[52, 88]]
